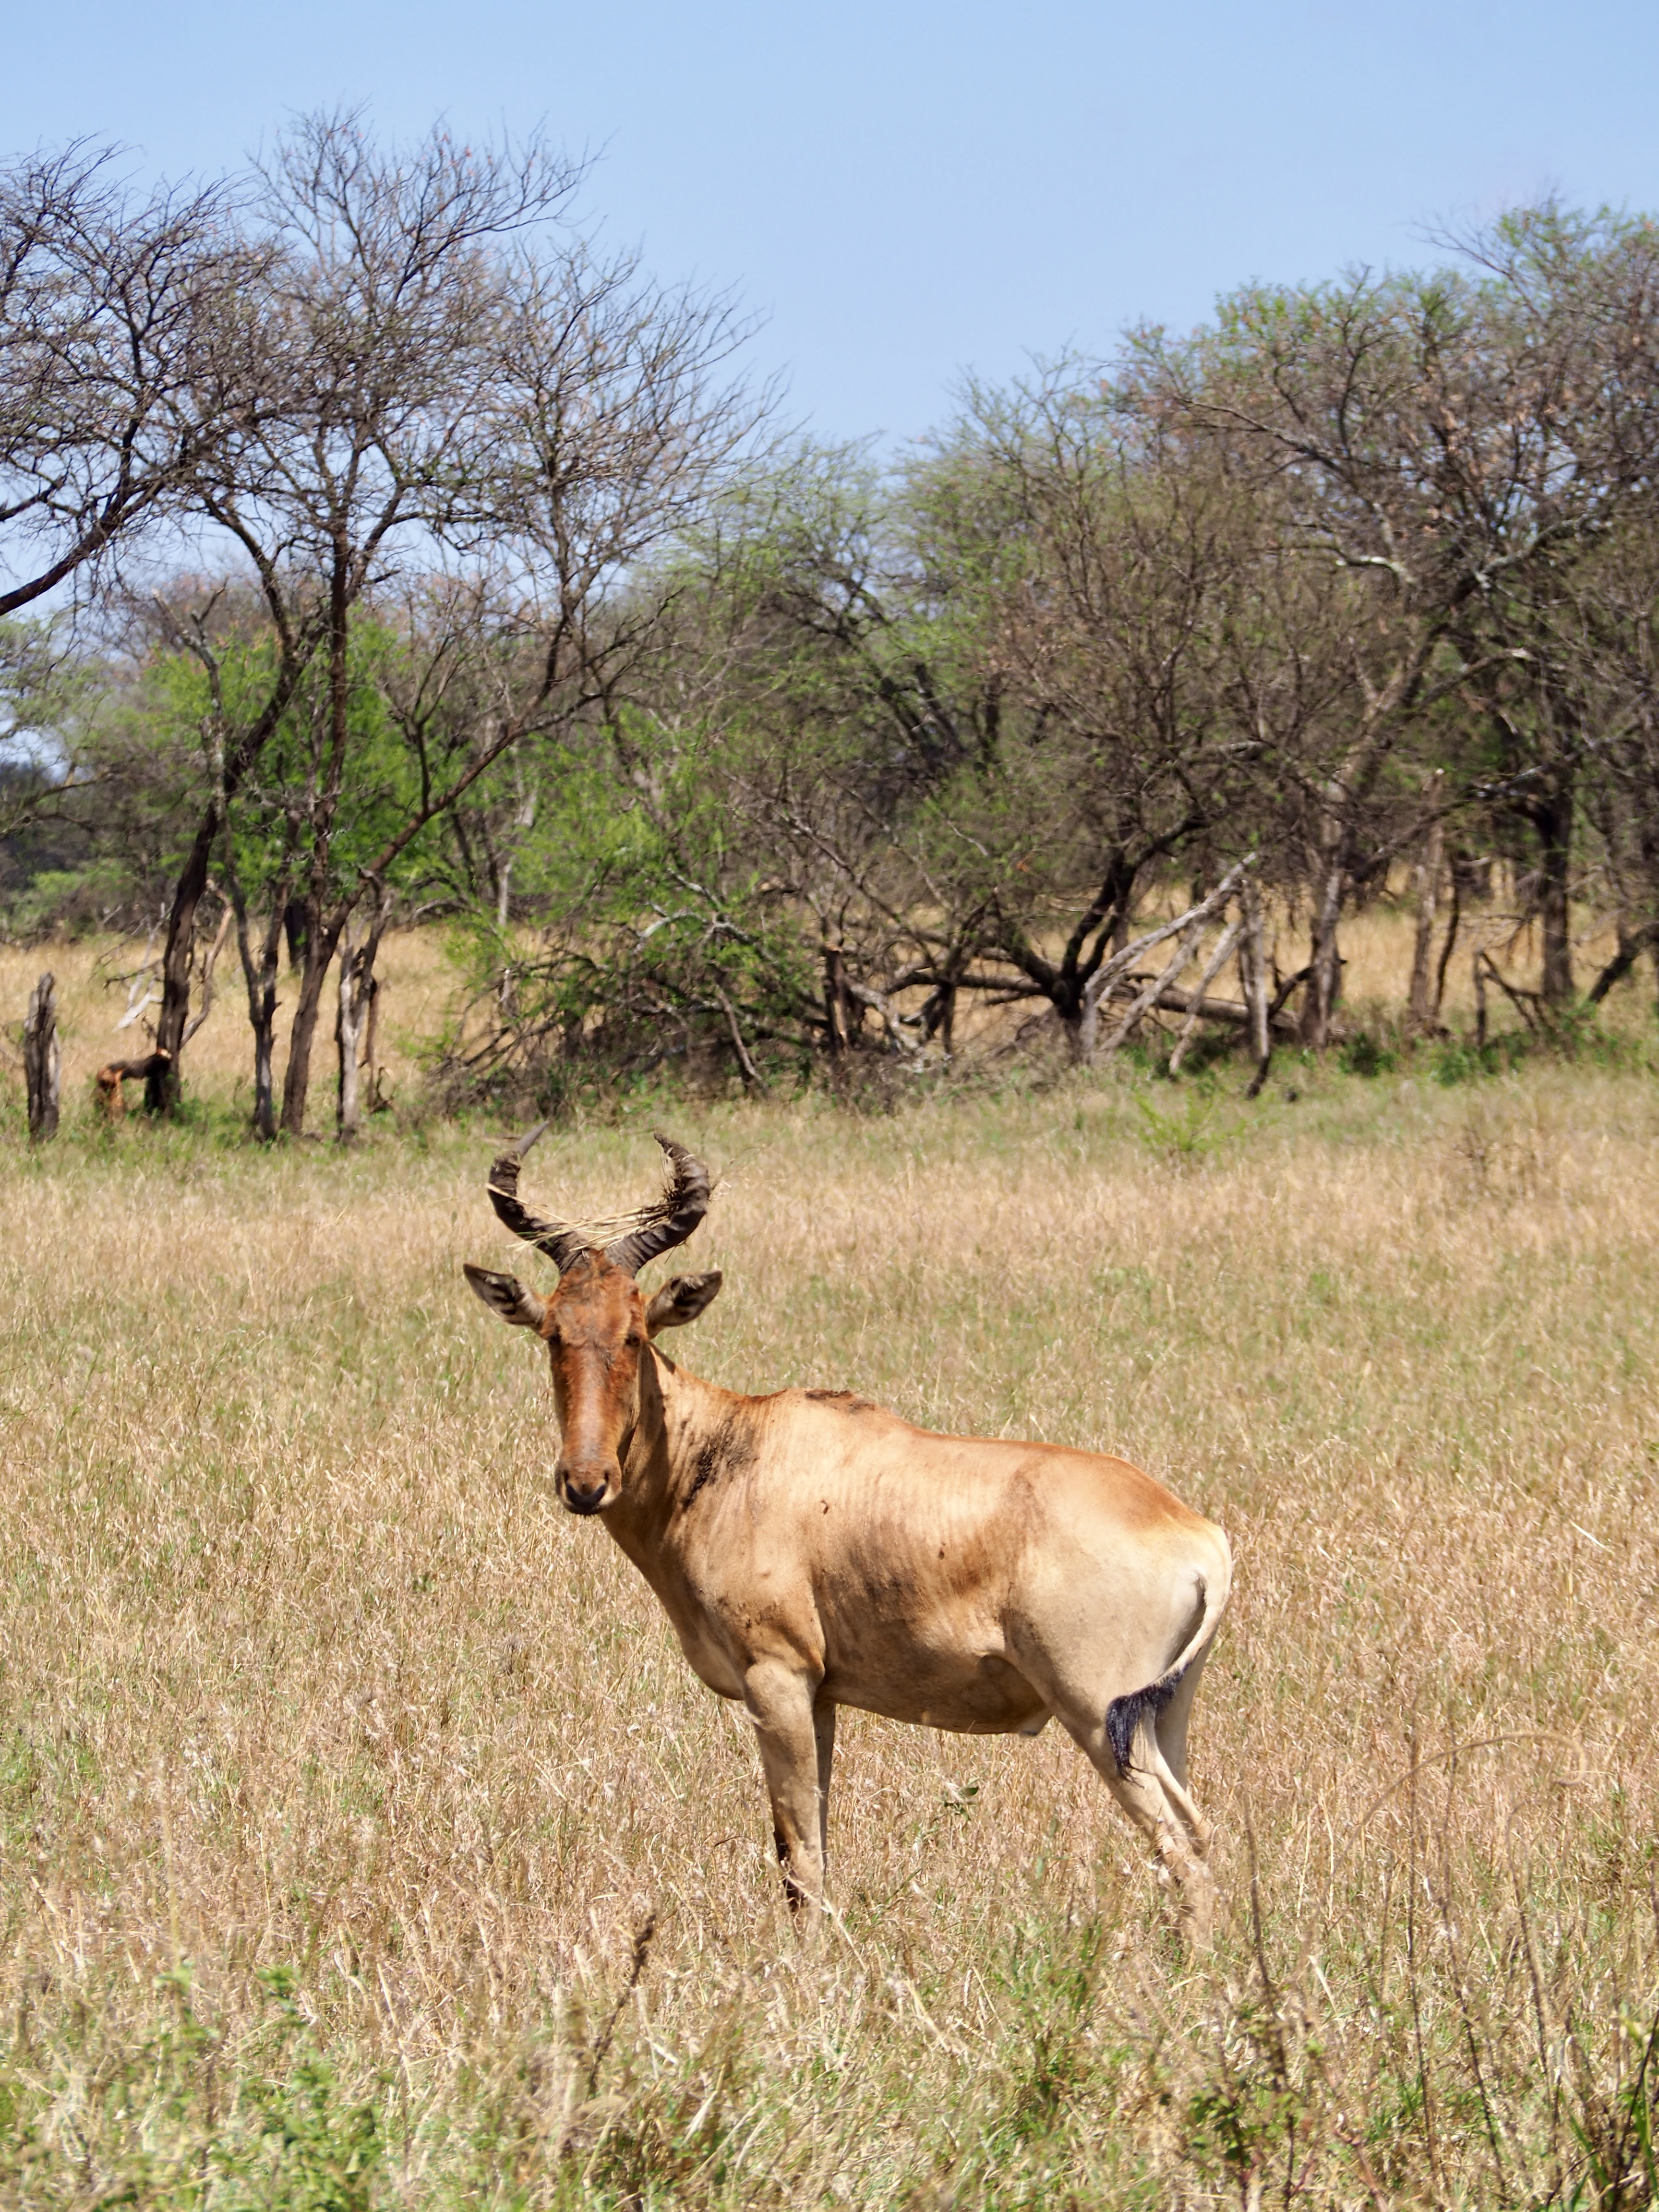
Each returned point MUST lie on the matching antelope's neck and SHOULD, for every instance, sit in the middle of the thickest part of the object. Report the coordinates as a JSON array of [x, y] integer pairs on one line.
[[670, 1455]]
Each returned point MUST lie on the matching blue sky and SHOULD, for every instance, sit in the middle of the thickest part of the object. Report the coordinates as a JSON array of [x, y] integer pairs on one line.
[[909, 190]]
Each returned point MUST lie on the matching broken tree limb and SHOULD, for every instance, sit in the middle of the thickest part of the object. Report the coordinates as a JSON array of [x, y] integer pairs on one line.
[[206, 1006], [1522, 1001], [1631, 944], [751, 1075], [1174, 999], [1253, 976], [1189, 927], [112, 1077], [1217, 961]]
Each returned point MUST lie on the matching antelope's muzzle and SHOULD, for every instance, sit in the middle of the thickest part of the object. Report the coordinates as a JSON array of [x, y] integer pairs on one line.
[[586, 1485]]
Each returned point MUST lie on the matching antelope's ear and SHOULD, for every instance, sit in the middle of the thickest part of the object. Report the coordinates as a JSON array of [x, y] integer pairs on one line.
[[507, 1296], [681, 1301]]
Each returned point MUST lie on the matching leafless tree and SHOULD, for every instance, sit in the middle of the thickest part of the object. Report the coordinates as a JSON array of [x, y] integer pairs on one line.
[[365, 354], [114, 391]]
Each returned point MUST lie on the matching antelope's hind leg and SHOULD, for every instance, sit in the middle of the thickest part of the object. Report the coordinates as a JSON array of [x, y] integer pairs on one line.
[[1150, 1785], [823, 1732]]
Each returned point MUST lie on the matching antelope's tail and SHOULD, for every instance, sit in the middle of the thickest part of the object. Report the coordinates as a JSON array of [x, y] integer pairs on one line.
[[1137, 1709]]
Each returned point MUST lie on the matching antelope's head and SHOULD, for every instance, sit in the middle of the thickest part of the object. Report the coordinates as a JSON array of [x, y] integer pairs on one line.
[[597, 1323]]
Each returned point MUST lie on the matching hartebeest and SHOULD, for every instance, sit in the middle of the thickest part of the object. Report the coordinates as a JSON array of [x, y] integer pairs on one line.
[[812, 1551]]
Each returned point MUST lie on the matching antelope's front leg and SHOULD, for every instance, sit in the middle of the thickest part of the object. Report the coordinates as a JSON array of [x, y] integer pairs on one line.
[[780, 1701]]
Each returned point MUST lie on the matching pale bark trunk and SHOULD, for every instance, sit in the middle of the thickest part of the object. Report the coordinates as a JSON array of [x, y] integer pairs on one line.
[[348, 1027], [355, 1014], [1324, 984], [835, 1000], [259, 975], [1253, 978], [1230, 937], [1430, 871], [1189, 926]]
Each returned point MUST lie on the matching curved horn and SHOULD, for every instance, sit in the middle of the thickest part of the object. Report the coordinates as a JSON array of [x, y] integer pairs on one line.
[[683, 1203], [561, 1243]]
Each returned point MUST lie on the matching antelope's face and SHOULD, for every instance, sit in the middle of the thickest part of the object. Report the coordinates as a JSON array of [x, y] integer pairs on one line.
[[597, 1325], [594, 1326]]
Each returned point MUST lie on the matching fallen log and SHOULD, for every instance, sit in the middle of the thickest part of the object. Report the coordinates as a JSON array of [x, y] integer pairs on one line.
[[1173, 999]]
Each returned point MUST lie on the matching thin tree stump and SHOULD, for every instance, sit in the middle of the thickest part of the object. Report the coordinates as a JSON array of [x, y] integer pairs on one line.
[[42, 1059]]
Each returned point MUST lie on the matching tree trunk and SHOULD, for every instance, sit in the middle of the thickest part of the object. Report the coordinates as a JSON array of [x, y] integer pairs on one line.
[[1439, 998], [369, 1036], [259, 975], [1253, 979], [294, 928], [42, 1059], [1324, 984], [302, 1034], [835, 1000], [1070, 988], [1553, 820], [322, 936], [348, 1035], [161, 1088], [1430, 871], [357, 989]]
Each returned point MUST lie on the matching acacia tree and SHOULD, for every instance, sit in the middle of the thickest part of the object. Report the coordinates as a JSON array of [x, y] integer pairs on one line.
[[611, 420], [829, 701], [1604, 635], [1454, 440], [1572, 311], [363, 358]]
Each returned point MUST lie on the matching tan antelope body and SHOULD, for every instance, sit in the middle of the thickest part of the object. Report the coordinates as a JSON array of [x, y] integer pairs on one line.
[[812, 1551]]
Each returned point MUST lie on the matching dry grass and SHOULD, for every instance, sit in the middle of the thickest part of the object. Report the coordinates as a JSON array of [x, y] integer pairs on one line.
[[421, 989], [340, 1772], [418, 986]]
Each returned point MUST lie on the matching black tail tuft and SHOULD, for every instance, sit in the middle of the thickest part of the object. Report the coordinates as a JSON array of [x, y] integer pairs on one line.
[[1125, 1715]]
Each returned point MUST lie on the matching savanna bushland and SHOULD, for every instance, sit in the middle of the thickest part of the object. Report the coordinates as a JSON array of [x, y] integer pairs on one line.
[[1149, 906]]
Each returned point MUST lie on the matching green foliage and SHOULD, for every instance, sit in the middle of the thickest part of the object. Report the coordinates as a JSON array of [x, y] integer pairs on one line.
[[1182, 1138], [177, 2119], [1364, 1054], [1453, 1060], [660, 935]]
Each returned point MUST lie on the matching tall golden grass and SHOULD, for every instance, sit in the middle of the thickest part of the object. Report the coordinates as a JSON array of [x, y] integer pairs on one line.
[[366, 1840]]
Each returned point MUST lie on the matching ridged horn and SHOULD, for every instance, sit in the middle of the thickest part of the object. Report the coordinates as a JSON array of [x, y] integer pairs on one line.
[[683, 1203], [557, 1239]]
